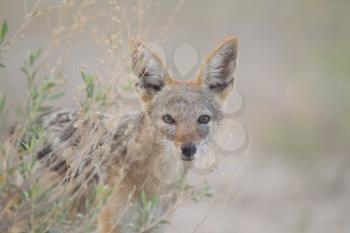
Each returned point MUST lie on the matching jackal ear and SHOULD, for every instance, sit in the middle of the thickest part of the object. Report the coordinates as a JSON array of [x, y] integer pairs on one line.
[[149, 68], [216, 73]]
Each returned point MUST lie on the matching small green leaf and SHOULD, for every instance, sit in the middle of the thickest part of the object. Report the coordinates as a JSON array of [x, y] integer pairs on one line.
[[34, 73], [34, 56], [25, 71], [47, 86], [208, 195], [90, 91], [2, 65], [84, 76], [22, 145], [163, 222], [154, 202], [88, 79], [144, 198], [57, 95], [2, 102], [44, 109], [4, 30], [34, 93]]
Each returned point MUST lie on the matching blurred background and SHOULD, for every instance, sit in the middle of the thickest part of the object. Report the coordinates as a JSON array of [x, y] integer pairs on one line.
[[293, 74]]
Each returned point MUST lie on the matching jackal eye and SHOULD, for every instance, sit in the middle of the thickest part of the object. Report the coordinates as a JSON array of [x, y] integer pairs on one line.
[[203, 119], [168, 119]]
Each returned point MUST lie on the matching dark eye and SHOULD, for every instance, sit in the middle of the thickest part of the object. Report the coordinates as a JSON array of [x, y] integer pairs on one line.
[[203, 119], [168, 119]]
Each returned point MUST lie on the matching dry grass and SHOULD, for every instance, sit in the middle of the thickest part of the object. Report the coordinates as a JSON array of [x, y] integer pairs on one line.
[[33, 198]]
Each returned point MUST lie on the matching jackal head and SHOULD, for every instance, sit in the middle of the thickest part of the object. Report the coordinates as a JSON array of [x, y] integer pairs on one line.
[[185, 112]]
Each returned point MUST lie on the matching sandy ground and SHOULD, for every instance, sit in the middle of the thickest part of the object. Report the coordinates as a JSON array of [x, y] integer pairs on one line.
[[273, 196]]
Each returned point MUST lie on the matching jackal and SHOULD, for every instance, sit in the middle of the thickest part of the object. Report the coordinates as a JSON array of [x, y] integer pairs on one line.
[[147, 148]]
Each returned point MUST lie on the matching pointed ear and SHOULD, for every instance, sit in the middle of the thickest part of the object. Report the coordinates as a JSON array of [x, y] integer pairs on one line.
[[149, 68], [216, 73]]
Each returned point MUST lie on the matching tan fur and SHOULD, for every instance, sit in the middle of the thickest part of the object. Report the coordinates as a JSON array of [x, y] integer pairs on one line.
[[140, 176], [186, 133], [144, 152]]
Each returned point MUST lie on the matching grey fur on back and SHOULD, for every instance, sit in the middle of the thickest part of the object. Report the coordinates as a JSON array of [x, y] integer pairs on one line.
[[63, 130]]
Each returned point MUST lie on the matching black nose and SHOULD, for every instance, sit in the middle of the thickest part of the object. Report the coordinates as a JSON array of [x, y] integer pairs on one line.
[[188, 150]]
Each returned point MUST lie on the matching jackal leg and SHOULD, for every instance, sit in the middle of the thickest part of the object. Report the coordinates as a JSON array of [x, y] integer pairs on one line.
[[116, 207]]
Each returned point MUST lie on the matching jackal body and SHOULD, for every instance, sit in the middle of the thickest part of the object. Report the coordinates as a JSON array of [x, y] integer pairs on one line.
[[151, 148]]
